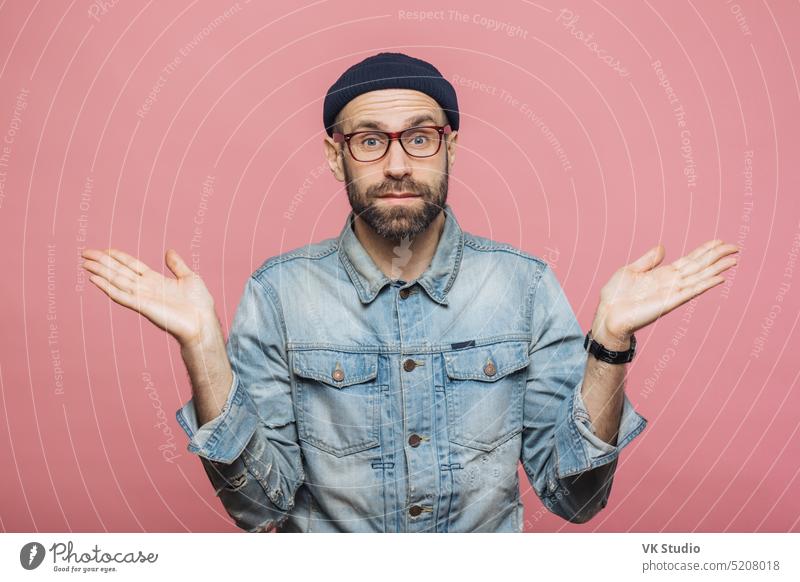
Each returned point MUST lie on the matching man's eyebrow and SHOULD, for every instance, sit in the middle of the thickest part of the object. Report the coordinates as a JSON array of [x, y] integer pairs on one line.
[[410, 122]]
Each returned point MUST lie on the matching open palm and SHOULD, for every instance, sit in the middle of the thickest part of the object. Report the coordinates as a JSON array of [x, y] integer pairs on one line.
[[641, 292], [180, 306]]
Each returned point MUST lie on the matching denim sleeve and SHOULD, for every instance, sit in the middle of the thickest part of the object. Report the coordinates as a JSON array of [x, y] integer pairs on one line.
[[250, 451], [568, 465]]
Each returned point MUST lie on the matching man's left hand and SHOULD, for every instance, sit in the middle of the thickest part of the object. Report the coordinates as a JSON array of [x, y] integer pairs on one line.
[[641, 292]]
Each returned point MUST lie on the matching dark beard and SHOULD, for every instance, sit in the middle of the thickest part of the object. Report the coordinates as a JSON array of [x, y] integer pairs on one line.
[[397, 222]]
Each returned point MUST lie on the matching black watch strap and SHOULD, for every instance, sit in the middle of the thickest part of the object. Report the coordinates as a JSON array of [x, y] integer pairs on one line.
[[600, 352]]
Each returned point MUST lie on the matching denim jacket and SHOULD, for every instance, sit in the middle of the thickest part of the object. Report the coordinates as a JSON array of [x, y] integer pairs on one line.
[[362, 403]]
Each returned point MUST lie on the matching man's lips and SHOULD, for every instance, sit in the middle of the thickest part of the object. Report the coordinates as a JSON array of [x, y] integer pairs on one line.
[[400, 195]]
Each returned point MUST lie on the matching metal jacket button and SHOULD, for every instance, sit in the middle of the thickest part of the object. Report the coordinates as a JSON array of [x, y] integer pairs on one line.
[[404, 293], [489, 369], [409, 365], [338, 374], [414, 440], [414, 510]]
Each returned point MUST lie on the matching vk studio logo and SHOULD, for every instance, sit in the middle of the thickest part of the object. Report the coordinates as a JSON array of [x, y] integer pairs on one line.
[[31, 555]]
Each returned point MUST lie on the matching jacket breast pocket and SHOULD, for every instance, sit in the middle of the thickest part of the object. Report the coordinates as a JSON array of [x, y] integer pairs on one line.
[[484, 389], [338, 399]]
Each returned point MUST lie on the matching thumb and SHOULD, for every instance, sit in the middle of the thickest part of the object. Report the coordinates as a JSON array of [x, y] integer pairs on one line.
[[176, 264], [649, 260]]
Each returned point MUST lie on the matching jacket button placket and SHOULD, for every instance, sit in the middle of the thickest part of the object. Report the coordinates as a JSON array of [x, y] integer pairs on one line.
[[416, 379]]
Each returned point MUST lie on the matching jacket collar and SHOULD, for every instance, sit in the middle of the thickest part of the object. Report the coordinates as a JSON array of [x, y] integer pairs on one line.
[[437, 279]]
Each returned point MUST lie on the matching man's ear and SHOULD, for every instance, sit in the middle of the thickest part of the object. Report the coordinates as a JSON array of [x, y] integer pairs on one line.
[[335, 157], [452, 138]]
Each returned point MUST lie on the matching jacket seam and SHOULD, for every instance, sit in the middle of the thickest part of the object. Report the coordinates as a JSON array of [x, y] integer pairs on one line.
[[301, 253], [533, 289], [496, 246], [274, 302], [445, 346]]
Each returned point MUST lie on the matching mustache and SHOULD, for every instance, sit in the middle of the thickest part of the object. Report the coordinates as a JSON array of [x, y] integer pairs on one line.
[[397, 187]]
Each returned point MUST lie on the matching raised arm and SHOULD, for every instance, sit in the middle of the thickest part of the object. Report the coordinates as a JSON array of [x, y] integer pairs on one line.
[[181, 306], [240, 418], [569, 466]]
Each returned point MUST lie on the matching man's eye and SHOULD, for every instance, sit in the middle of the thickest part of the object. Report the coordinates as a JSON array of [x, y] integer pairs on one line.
[[420, 138], [370, 141]]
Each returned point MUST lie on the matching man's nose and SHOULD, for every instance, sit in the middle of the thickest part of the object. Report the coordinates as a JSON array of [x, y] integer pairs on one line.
[[397, 161]]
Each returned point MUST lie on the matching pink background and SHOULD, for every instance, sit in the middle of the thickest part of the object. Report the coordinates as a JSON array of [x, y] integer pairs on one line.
[[561, 154]]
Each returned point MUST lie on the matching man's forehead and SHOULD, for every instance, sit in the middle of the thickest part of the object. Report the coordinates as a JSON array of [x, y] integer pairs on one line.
[[391, 109]]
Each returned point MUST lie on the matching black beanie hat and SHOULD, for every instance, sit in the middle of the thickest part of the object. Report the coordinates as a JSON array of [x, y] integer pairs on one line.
[[389, 71]]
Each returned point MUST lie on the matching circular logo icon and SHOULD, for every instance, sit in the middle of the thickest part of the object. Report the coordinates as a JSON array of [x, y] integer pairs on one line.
[[31, 555]]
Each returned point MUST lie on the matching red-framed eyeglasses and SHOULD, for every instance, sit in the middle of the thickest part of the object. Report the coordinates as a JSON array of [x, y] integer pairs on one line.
[[421, 141]]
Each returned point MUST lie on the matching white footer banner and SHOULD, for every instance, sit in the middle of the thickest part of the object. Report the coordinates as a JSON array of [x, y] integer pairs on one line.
[[235, 556]]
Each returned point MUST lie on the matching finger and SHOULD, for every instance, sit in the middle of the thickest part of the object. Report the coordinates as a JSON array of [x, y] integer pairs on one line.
[[708, 258], [104, 257], [649, 260], [710, 271], [696, 253], [132, 263], [176, 264], [117, 295], [700, 287], [120, 280]]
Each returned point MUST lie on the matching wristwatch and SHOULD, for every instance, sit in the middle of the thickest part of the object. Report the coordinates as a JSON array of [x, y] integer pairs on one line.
[[600, 352]]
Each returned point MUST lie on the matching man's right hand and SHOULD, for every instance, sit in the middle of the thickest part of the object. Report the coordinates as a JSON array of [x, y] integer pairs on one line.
[[181, 306]]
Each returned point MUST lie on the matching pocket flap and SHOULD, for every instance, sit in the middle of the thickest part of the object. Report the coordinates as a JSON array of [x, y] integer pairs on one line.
[[487, 363], [335, 368]]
